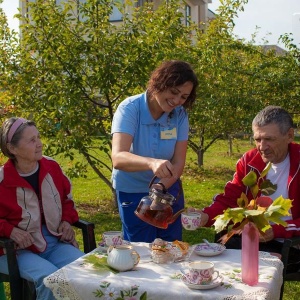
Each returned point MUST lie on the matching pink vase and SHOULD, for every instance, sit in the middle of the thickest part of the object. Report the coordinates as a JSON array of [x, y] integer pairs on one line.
[[250, 248]]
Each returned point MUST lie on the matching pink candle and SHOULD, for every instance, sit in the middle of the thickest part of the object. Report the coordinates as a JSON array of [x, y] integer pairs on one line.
[[250, 248]]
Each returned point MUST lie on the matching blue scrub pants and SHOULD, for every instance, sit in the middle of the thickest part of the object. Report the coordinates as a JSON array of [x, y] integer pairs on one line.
[[36, 266], [136, 230]]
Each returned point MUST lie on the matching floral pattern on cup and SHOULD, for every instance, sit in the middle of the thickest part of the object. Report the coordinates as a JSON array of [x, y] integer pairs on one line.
[[112, 238], [201, 273], [190, 220]]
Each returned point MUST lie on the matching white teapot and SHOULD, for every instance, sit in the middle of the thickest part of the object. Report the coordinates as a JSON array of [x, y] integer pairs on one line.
[[122, 257]]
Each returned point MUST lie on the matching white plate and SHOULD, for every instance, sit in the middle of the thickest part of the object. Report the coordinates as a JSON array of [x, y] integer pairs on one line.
[[209, 286], [204, 250]]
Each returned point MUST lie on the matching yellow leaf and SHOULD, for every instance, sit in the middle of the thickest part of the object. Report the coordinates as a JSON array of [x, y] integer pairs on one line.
[[243, 200], [281, 206], [261, 208], [252, 204]]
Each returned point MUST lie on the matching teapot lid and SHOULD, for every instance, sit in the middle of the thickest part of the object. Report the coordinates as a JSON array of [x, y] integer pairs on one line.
[[162, 197]]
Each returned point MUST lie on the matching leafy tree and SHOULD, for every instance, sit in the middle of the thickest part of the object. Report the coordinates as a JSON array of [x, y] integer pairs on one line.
[[75, 67], [237, 80], [72, 68], [8, 48]]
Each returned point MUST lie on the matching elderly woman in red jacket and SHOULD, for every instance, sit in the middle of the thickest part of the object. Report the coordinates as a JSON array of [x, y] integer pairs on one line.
[[36, 206]]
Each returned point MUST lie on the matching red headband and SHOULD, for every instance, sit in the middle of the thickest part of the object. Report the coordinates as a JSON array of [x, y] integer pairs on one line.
[[14, 128]]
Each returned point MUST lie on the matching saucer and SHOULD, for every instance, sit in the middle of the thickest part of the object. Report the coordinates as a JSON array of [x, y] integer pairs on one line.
[[204, 250], [205, 286]]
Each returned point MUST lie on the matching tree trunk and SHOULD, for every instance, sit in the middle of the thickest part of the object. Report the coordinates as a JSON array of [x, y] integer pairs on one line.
[[200, 155], [114, 198], [201, 149], [229, 144]]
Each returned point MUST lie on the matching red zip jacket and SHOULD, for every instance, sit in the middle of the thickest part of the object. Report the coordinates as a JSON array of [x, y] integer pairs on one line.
[[252, 160], [19, 205]]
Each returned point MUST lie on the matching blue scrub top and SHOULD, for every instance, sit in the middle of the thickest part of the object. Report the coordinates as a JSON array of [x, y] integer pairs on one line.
[[151, 138]]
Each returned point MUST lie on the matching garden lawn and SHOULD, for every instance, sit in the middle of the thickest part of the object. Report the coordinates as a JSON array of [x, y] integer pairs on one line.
[[94, 202]]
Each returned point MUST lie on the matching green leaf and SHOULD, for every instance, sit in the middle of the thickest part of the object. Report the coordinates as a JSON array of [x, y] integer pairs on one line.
[[261, 222], [144, 296], [253, 212], [254, 190], [250, 179], [236, 215], [220, 223], [276, 218], [267, 187], [266, 170], [99, 263]]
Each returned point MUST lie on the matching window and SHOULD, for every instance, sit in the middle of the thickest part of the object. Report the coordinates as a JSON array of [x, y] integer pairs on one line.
[[116, 15], [142, 2], [187, 15], [26, 9]]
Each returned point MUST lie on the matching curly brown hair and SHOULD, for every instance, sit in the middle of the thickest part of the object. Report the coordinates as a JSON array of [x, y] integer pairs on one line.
[[173, 73]]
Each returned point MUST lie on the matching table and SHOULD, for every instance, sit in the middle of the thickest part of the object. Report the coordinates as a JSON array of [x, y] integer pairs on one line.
[[82, 280]]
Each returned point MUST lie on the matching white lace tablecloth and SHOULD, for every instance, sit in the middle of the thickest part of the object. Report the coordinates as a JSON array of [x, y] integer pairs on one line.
[[149, 281]]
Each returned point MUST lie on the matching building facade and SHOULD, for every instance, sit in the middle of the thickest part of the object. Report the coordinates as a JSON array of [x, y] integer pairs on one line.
[[194, 10]]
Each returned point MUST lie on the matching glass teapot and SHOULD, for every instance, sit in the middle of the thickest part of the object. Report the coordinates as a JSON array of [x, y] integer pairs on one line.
[[156, 208]]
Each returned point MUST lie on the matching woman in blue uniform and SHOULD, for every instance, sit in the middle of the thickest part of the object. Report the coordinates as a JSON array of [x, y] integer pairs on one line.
[[149, 138]]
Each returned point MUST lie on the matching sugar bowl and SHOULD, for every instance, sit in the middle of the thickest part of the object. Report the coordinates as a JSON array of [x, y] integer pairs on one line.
[[122, 257]]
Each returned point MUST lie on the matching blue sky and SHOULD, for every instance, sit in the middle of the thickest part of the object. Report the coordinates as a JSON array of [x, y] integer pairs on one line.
[[10, 8], [274, 17]]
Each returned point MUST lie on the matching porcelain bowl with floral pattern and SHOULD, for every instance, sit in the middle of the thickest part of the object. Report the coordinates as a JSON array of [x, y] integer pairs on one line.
[[205, 250]]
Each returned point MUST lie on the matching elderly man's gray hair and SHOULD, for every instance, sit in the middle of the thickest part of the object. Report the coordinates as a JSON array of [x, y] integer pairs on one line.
[[274, 114]]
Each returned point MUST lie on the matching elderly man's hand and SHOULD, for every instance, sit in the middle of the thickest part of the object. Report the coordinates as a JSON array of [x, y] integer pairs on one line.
[[268, 236]]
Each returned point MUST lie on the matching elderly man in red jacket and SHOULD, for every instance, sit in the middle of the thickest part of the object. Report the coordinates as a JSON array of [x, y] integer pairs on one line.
[[273, 133]]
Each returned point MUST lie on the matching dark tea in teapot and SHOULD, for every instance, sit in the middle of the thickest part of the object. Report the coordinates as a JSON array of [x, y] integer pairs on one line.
[[156, 209], [157, 218]]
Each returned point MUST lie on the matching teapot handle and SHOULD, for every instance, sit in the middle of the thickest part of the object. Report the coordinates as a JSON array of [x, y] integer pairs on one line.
[[160, 183], [164, 188], [135, 256], [152, 180], [109, 249]]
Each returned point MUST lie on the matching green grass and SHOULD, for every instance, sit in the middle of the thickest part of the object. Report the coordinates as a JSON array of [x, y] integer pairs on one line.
[[94, 201]]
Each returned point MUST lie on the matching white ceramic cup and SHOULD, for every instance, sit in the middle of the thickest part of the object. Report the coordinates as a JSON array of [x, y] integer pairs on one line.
[[112, 238], [190, 220], [202, 272]]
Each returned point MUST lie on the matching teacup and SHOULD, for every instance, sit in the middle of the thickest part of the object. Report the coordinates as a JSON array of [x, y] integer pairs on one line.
[[113, 238], [190, 220], [202, 272]]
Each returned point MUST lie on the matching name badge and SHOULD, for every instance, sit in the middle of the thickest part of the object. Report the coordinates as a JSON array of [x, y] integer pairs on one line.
[[168, 134]]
